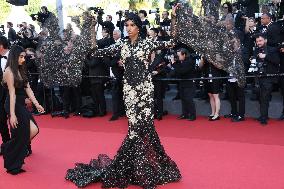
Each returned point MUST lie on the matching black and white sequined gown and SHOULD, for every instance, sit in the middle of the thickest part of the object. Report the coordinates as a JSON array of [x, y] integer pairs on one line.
[[141, 160]]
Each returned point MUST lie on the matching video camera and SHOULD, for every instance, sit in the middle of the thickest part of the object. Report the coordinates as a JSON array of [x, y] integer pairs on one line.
[[2, 30], [97, 10], [156, 11], [121, 13], [258, 65], [40, 17]]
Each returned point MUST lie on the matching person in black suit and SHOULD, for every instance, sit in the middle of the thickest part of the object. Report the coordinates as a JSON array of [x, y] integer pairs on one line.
[[268, 60], [12, 35], [117, 71], [235, 92], [184, 68], [4, 129], [251, 7], [145, 23], [99, 66], [106, 24], [270, 29]]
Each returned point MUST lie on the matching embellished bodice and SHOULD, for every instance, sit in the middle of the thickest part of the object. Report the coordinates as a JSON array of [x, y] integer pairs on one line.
[[135, 57]]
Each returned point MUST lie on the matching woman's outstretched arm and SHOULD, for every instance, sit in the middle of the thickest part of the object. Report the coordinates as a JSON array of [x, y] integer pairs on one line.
[[32, 97]]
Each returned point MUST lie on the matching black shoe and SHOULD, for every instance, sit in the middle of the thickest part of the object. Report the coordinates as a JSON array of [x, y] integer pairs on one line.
[[65, 114], [113, 118], [77, 113], [210, 116], [263, 122], [102, 114], [229, 116], [238, 118], [16, 171], [281, 117], [183, 117], [159, 117], [192, 118], [122, 115], [165, 112], [214, 118]]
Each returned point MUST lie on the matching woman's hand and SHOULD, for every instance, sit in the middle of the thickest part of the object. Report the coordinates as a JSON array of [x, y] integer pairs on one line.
[[39, 108], [13, 121]]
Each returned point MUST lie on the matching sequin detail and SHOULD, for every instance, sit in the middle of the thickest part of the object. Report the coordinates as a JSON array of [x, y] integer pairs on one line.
[[141, 159]]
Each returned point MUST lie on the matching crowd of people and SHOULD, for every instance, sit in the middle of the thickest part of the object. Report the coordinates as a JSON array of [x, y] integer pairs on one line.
[[135, 67], [262, 52]]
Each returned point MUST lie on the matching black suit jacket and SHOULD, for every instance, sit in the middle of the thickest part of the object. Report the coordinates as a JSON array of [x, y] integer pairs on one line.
[[252, 7], [117, 70], [12, 36], [272, 33], [272, 59], [185, 70], [99, 66]]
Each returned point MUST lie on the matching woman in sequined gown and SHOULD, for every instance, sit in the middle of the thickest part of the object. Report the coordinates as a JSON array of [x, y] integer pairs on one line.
[[141, 159]]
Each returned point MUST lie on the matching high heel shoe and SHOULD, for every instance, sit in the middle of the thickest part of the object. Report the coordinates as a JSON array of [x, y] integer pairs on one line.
[[214, 118], [210, 116]]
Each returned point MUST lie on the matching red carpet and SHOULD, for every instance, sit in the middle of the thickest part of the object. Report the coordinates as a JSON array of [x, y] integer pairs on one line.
[[210, 155]]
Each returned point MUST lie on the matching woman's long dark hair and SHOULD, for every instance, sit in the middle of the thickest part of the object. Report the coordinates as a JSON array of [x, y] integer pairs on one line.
[[13, 64]]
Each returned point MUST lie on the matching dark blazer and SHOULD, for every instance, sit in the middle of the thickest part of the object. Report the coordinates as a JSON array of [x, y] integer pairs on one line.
[[252, 7], [185, 70], [272, 59], [99, 66], [117, 70], [12, 36], [272, 33], [106, 24]]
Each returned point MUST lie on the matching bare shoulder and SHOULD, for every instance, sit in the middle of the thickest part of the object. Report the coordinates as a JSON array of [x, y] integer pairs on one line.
[[8, 74]]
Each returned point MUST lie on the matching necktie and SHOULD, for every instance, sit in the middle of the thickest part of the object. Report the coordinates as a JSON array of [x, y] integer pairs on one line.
[[5, 57]]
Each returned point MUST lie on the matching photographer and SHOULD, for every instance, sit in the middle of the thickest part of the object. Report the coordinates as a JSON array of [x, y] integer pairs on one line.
[[145, 23], [41, 16], [267, 61], [251, 7], [106, 24], [99, 66], [12, 35], [25, 36], [166, 23], [184, 68], [117, 71], [270, 29], [121, 23], [159, 70]]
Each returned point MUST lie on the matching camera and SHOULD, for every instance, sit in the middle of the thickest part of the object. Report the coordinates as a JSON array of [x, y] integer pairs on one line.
[[257, 66], [2, 30], [120, 13], [156, 11], [257, 15], [40, 17], [97, 10]]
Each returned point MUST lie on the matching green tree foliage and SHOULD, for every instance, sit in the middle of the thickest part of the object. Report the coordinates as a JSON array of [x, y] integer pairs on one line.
[[5, 10], [33, 7]]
